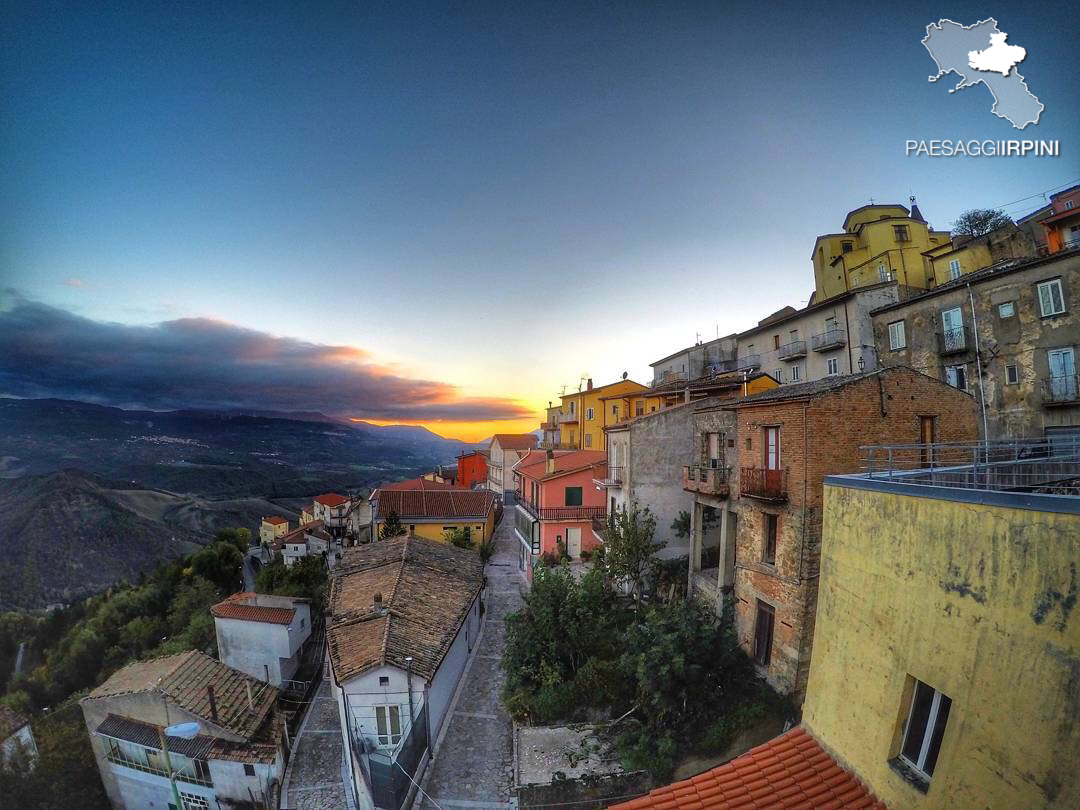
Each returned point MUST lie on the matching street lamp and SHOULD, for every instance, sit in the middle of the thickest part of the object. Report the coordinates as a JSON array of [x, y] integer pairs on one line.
[[185, 731]]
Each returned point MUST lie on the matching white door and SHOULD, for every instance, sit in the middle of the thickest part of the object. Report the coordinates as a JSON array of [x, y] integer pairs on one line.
[[573, 543], [1062, 374], [772, 448]]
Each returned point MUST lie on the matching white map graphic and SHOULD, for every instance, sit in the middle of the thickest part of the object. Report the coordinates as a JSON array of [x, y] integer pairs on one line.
[[999, 57]]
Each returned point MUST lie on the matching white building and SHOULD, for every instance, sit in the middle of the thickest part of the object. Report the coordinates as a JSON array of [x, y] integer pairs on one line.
[[404, 616], [309, 539], [504, 451], [235, 760], [333, 510], [261, 634], [16, 739]]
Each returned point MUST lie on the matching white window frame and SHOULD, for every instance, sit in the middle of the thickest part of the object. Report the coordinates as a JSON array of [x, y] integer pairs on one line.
[[1045, 293], [589, 414], [954, 269], [928, 729], [384, 715], [1011, 305], [1069, 205], [897, 337], [796, 373], [1012, 374], [955, 378], [833, 366]]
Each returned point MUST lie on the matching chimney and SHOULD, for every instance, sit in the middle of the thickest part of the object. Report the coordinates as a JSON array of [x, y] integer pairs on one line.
[[549, 462], [377, 604], [213, 703], [588, 384]]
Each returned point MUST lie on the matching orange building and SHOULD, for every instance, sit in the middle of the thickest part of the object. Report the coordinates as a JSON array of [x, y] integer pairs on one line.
[[1063, 224], [472, 469]]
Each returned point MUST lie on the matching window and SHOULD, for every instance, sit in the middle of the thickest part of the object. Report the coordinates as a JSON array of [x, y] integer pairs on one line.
[[388, 725], [193, 802], [384, 680], [772, 448], [715, 441], [897, 337], [847, 247], [1068, 205], [779, 375], [833, 366], [1012, 375], [639, 409], [589, 413], [1051, 299], [615, 411], [588, 440], [796, 373], [763, 633], [1006, 310], [956, 376], [954, 269], [249, 769], [900, 233], [924, 728], [776, 341], [771, 527], [573, 496]]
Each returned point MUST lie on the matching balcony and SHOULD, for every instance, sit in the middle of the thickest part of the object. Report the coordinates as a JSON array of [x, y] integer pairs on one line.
[[1063, 390], [564, 514], [793, 350], [748, 361], [706, 480], [827, 341], [614, 478], [766, 485], [952, 341], [555, 446]]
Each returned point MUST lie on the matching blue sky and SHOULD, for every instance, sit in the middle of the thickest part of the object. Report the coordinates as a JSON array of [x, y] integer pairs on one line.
[[500, 197]]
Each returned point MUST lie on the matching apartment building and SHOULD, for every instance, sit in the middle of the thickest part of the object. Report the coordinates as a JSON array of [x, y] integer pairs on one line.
[[1062, 224], [693, 362], [333, 510], [1009, 334], [962, 254], [404, 615], [261, 634], [945, 654], [558, 508], [787, 440], [878, 243], [231, 756], [471, 470], [503, 452], [271, 528], [828, 339], [578, 422]]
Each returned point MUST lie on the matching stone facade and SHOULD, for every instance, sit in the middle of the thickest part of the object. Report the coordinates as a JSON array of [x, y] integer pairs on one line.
[[821, 429], [1005, 358]]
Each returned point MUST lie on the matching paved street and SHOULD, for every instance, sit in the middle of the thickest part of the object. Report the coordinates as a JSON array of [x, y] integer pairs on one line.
[[473, 766], [314, 779]]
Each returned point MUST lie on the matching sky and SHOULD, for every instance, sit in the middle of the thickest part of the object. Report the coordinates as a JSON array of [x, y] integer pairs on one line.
[[442, 214]]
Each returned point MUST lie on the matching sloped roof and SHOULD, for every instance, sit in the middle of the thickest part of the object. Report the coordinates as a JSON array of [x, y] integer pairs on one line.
[[790, 771], [331, 499], [417, 483], [183, 678], [427, 588], [243, 606], [534, 464], [451, 503], [10, 722], [515, 441], [274, 520]]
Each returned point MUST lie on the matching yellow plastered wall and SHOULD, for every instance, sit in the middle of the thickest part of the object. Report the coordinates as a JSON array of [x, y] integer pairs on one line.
[[979, 602], [482, 529], [970, 257], [593, 427]]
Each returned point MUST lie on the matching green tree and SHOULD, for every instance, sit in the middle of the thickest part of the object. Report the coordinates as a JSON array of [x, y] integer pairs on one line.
[[221, 563], [239, 537], [980, 221], [461, 538], [629, 546], [391, 526]]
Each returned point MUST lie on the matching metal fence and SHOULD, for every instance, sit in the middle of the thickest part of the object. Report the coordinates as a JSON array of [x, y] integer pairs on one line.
[[391, 773], [1004, 465]]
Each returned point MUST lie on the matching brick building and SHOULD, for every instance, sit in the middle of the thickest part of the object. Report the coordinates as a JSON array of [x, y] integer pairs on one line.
[[788, 440]]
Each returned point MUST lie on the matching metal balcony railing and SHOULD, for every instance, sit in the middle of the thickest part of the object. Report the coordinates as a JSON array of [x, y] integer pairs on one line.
[[748, 361], [831, 339], [563, 513], [796, 348], [1061, 390], [768, 485], [952, 341], [612, 478]]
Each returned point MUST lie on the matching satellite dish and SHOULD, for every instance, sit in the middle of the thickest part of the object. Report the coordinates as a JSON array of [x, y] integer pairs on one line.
[[625, 374]]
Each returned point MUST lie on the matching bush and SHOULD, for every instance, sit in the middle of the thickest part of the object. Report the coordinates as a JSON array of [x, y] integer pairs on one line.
[[486, 550]]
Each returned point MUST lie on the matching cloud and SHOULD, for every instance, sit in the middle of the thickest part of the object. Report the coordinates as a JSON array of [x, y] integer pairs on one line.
[[76, 282], [207, 364]]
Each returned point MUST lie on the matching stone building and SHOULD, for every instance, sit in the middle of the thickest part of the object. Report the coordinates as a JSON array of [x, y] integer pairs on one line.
[[1009, 334], [787, 441], [16, 737]]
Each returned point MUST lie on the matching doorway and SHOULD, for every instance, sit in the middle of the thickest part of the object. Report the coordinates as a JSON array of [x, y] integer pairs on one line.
[[573, 543]]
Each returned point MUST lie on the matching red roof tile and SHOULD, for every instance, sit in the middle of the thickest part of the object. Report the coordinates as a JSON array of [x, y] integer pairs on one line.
[[418, 483], [515, 441], [238, 606], [790, 771], [456, 503], [275, 520], [534, 464], [331, 499]]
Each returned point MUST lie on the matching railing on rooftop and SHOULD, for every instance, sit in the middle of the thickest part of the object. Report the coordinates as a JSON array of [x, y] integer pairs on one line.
[[1050, 464]]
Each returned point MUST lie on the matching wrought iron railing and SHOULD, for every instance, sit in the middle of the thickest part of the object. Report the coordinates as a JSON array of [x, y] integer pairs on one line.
[[563, 513], [830, 339], [613, 477], [796, 348], [952, 341], [758, 482], [1061, 389], [748, 361]]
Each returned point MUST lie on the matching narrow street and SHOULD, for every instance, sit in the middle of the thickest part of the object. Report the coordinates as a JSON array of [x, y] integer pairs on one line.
[[473, 765], [314, 779]]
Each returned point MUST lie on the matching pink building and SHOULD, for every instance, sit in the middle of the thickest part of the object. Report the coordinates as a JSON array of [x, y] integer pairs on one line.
[[558, 504]]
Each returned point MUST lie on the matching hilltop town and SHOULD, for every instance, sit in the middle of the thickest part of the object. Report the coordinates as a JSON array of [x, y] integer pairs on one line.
[[827, 561]]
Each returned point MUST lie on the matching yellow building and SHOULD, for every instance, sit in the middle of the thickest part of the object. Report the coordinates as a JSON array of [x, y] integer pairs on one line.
[[946, 660], [271, 528], [580, 416], [617, 408], [878, 243], [962, 255], [431, 513]]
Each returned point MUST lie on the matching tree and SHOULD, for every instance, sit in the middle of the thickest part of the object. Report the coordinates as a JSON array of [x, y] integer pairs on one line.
[[629, 546], [461, 538], [980, 221], [391, 526], [221, 563]]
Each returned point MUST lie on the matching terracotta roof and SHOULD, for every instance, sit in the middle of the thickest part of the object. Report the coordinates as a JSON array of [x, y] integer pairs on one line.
[[275, 520], [263, 748], [790, 772], [427, 589], [331, 499], [534, 464], [183, 678], [417, 483], [242, 606], [10, 722], [299, 534], [515, 441], [455, 503]]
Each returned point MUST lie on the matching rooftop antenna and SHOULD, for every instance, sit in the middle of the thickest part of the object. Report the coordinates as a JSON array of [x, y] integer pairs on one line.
[[697, 337], [871, 200]]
